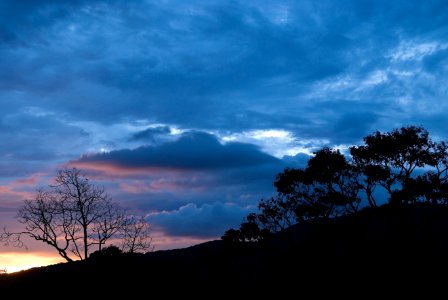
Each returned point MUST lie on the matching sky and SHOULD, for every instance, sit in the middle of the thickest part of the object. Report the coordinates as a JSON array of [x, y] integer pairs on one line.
[[186, 110]]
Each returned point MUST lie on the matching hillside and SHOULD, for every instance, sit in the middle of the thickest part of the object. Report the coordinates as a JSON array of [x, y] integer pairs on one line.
[[376, 249]]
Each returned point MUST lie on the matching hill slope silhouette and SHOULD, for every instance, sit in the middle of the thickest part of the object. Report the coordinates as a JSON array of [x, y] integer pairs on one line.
[[378, 249]]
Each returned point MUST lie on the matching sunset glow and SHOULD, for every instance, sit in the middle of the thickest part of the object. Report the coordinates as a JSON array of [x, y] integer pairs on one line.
[[17, 261]]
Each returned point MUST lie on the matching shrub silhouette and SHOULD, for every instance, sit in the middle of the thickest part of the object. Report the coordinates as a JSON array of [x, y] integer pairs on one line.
[[106, 253]]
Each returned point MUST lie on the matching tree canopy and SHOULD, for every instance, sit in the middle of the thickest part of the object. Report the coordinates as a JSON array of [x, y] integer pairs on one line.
[[403, 164]]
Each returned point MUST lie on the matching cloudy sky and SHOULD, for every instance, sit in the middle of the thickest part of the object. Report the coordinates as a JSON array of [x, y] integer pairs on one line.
[[186, 110]]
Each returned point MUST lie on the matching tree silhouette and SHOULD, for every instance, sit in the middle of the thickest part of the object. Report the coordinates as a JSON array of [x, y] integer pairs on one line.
[[74, 215], [390, 158], [232, 236], [404, 162], [336, 180], [249, 231], [106, 253], [370, 174], [135, 235], [328, 186], [301, 195], [276, 213]]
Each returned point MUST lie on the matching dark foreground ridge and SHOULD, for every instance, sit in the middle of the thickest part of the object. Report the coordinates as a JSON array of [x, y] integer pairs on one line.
[[393, 249]]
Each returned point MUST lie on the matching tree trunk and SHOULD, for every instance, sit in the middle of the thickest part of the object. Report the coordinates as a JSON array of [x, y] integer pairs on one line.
[[370, 199], [65, 256], [86, 254]]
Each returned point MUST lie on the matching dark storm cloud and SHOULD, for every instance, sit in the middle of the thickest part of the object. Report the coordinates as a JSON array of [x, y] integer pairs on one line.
[[193, 150]]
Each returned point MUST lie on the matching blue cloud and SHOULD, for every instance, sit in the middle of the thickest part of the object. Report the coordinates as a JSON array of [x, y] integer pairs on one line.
[[437, 63], [207, 221], [247, 64]]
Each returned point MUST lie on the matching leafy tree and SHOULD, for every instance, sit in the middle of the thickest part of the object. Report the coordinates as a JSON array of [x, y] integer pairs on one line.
[[330, 185], [427, 187], [249, 231], [438, 177], [336, 180], [370, 174], [74, 215], [232, 236], [299, 194], [391, 158], [327, 186], [276, 213], [438, 158]]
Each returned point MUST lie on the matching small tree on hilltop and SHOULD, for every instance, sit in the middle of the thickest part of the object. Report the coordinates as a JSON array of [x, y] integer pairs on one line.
[[135, 235]]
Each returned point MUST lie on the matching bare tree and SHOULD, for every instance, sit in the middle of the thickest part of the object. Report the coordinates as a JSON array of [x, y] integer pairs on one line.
[[136, 235], [86, 204], [110, 223], [44, 220], [74, 215]]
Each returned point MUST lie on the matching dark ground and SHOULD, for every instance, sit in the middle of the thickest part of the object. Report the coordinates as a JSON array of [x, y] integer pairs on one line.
[[377, 253]]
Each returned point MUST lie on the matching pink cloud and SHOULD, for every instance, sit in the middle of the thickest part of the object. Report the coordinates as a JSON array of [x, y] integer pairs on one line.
[[32, 180], [20, 189], [10, 192], [135, 180], [107, 171], [162, 241]]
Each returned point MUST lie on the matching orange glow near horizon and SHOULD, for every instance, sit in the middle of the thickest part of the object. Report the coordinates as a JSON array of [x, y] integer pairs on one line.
[[18, 261]]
